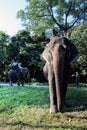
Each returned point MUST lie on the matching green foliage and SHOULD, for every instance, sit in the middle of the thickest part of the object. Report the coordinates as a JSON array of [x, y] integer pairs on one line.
[[41, 15], [13, 51], [30, 57], [23, 37], [3, 43], [79, 37], [4, 39], [30, 54], [27, 50], [28, 108]]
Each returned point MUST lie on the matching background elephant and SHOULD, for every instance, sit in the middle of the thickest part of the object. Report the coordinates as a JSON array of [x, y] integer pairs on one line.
[[59, 53], [18, 74]]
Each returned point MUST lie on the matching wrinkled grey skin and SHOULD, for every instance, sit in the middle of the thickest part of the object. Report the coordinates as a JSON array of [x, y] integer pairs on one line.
[[18, 75], [58, 54]]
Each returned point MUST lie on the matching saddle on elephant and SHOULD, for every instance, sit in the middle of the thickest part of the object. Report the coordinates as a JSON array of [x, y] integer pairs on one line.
[[13, 65]]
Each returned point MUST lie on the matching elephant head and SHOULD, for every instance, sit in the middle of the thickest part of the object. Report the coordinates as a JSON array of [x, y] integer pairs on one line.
[[58, 54]]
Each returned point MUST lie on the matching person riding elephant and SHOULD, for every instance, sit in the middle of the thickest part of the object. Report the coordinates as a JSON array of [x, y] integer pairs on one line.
[[13, 65], [17, 73], [59, 55]]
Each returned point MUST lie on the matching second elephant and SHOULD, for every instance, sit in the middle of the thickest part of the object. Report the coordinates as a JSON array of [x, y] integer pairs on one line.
[[18, 75]]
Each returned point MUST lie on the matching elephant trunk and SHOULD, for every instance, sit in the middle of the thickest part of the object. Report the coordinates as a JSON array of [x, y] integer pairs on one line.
[[58, 66]]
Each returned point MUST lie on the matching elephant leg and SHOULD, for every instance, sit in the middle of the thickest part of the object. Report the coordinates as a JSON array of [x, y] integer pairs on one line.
[[45, 71], [11, 83], [52, 90], [22, 82], [65, 81], [10, 80], [59, 93], [64, 90], [18, 83]]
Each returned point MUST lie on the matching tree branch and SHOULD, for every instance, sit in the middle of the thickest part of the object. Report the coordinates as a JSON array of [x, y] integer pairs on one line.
[[52, 15], [72, 24]]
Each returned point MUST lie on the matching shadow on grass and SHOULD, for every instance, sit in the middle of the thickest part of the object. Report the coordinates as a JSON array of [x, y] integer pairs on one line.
[[76, 100], [75, 106], [44, 126]]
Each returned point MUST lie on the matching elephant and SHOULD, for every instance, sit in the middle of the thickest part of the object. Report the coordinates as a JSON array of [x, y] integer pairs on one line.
[[18, 74], [59, 54]]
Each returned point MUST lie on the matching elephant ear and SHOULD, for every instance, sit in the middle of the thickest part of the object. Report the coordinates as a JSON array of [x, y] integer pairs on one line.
[[71, 52]]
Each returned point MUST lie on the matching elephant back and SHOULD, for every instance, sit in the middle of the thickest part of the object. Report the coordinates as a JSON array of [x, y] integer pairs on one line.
[[25, 71], [22, 72]]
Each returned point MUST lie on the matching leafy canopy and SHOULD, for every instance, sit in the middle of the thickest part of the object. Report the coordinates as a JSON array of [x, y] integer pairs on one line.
[[3, 43], [40, 15], [79, 37]]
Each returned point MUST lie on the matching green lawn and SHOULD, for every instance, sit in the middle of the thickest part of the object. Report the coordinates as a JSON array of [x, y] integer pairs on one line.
[[27, 108]]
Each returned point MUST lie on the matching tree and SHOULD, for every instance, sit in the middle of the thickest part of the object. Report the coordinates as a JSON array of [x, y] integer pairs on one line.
[[18, 44], [13, 52], [23, 37], [79, 37], [3, 43], [4, 38], [40, 15], [29, 56]]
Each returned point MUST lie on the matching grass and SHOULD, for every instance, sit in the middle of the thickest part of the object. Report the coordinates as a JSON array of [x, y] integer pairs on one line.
[[27, 108], [80, 84]]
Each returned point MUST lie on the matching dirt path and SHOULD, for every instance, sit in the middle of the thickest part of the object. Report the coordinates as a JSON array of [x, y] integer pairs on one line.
[[38, 86], [25, 85]]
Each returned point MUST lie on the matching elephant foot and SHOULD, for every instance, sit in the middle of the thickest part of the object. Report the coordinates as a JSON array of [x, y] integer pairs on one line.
[[11, 84], [60, 109], [53, 109]]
